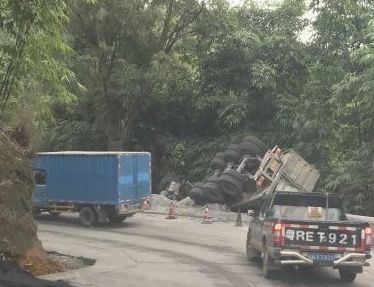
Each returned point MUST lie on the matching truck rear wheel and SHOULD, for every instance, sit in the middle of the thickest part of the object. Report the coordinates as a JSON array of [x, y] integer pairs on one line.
[[231, 156], [219, 155], [347, 275], [256, 141], [234, 147], [197, 194], [266, 263], [87, 216], [232, 182], [217, 163], [213, 192], [250, 186], [251, 252], [251, 149]]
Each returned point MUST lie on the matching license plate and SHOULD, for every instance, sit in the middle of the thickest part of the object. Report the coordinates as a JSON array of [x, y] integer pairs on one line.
[[317, 237], [321, 257]]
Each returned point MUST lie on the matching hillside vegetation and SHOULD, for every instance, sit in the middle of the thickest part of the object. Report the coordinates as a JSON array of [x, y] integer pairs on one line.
[[183, 79]]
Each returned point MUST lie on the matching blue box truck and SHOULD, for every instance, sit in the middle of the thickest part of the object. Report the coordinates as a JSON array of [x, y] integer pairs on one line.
[[100, 186]]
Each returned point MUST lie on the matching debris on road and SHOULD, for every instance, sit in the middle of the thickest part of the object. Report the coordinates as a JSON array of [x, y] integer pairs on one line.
[[11, 275], [186, 202], [160, 200], [56, 263], [173, 188]]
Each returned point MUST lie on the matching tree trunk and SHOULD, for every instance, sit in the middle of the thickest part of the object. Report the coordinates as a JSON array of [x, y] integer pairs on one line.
[[18, 232]]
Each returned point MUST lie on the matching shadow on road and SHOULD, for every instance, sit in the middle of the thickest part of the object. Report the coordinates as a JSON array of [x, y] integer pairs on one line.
[[73, 220], [314, 276], [307, 276]]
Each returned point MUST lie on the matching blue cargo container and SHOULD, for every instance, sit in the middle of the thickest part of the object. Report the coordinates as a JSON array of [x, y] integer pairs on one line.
[[98, 185]]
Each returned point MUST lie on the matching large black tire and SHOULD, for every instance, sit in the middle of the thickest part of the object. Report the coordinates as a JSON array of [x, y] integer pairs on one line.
[[235, 174], [212, 190], [250, 186], [251, 149], [212, 194], [347, 275], [197, 194], [231, 156], [88, 216], [184, 189], [256, 141], [251, 252], [234, 147], [232, 183], [213, 178], [165, 181], [266, 263], [219, 155], [217, 163]]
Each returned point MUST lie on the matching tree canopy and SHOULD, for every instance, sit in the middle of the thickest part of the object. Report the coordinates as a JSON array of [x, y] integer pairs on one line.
[[182, 79]]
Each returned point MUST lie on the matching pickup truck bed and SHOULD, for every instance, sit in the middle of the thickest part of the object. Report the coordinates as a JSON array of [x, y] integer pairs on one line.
[[307, 229]]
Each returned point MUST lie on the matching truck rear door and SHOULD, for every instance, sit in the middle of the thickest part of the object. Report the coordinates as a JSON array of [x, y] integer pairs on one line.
[[134, 182]]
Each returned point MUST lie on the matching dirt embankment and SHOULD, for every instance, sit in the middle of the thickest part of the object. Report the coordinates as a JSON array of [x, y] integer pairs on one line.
[[18, 233]]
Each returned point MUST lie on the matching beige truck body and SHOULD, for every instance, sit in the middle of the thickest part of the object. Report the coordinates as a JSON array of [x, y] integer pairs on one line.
[[286, 171]]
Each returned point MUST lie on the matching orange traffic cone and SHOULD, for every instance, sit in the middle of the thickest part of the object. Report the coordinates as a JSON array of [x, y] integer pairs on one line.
[[206, 217], [172, 214]]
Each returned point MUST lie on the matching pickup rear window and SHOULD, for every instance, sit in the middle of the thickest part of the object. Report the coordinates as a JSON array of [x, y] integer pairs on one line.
[[307, 207]]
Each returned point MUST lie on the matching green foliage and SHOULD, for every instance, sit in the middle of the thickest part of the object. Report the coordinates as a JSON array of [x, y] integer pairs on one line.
[[33, 69], [183, 79], [354, 98], [329, 116]]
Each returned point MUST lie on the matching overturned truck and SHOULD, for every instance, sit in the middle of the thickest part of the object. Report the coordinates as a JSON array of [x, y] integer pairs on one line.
[[245, 172]]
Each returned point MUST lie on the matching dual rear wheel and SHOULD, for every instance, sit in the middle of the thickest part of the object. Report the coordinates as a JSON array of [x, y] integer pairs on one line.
[[347, 275], [89, 217], [228, 185]]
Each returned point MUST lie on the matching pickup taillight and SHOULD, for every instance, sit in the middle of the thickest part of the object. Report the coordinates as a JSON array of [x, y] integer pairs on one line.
[[277, 233], [367, 241]]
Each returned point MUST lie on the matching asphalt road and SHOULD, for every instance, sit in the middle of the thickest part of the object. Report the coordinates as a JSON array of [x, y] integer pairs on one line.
[[149, 250]]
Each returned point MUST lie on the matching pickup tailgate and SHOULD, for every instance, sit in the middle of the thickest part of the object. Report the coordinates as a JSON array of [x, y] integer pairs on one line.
[[332, 236]]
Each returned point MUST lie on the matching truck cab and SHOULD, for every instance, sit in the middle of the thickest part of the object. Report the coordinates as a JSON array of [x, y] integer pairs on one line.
[[307, 229]]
